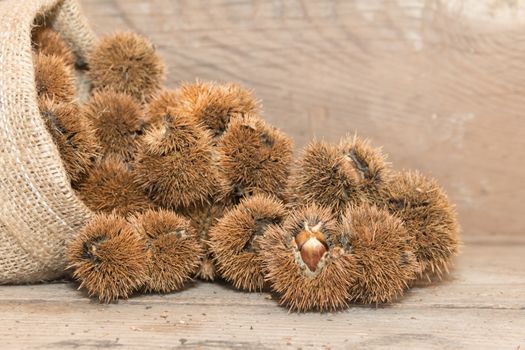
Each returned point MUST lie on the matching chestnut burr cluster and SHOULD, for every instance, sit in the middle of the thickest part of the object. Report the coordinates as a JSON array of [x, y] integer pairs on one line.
[[193, 183]]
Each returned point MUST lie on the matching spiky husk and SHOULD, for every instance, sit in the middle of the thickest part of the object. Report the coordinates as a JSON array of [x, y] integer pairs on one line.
[[73, 135], [207, 270], [163, 106], [174, 165], [325, 289], [202, 218], [213, 104], [119, 123], [323, 176], [47, 41], [370, 164], [173, 249], [429, 217], [110, 186], [108, 258], [336, 176], [253, 158], [53, 78], [383, 250], [126, 62], [234, 240]]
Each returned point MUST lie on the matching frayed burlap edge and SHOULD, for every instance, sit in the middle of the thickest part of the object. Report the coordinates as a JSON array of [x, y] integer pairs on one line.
[[39, 212]]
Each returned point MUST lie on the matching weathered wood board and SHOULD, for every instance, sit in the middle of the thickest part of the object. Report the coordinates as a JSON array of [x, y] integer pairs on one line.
[[440, 84], [480, 306]]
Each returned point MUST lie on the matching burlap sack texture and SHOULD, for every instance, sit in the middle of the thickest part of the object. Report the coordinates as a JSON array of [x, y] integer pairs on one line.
[[39, 212]]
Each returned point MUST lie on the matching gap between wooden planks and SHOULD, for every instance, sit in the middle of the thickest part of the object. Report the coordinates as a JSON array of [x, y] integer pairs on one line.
[[481, 305]]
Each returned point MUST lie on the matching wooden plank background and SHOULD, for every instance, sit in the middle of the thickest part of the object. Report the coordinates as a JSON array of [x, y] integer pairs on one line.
[[440, 84]]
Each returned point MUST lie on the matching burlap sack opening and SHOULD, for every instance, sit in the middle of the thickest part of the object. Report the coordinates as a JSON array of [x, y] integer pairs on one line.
[[39, 212]]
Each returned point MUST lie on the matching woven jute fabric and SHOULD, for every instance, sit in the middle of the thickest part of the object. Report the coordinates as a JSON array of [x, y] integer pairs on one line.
[[39, 212]]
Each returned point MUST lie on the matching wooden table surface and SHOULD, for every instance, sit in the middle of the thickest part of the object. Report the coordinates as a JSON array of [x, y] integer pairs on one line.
[[438, 83], [480, 306]]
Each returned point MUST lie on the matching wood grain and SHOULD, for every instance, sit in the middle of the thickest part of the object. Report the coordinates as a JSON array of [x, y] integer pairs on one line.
[[439, 84], [480, 306]]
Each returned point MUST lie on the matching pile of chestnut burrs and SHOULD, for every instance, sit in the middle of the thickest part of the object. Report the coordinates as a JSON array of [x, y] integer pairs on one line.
[[193, 183]]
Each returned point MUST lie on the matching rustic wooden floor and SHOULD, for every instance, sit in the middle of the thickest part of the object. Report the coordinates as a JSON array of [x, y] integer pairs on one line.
[[481, 305]]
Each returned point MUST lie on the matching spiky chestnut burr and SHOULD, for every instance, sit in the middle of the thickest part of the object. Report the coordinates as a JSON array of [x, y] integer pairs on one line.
[[174, 164], [53, 78], [323, 176], [373, 170], [163, 106], [207, 270], [73, 135], [383, 251], [47, 41], [173, 249], [213, 104], [253, 158], [202, 218], [308, 262], [110, 187], [234, 240], [119, 122], [108, 258], [127, 63], [429, 217], [335, 176]]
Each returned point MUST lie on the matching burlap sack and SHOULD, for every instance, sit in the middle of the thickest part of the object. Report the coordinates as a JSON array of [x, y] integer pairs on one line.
[[39, 212]]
